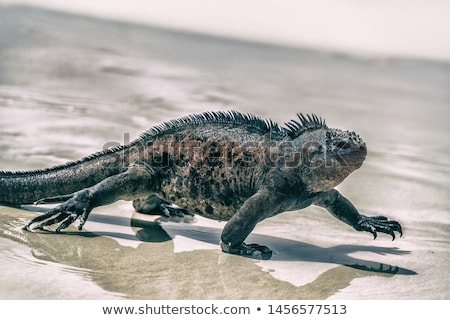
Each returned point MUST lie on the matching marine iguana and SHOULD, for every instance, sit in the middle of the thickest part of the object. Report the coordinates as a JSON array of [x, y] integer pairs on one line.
[[222, 165]]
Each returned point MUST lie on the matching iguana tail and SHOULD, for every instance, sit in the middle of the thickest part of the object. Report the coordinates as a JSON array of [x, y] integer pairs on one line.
[[26, 187]]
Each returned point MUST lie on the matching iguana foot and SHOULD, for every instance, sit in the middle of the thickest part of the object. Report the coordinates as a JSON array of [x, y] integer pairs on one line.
[[172, 210], [57, 199], [77, 206], [379, 224], [248, 250], [154, 205]]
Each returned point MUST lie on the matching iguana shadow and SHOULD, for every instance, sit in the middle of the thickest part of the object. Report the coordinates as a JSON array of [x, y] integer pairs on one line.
[[285, 249], [203, 273]]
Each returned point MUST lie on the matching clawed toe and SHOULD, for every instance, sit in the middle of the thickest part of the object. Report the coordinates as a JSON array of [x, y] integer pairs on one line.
[[380, 224], [172, 210], [253, 250], [76, 207]]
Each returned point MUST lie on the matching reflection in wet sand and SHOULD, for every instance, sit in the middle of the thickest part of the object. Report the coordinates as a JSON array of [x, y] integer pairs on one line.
[[153, 270]]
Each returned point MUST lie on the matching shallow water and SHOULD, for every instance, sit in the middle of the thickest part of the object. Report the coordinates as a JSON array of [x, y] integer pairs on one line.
[[69, 85]]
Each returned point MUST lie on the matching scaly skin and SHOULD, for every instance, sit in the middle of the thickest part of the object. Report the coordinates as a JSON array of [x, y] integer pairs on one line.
[[221, 165]]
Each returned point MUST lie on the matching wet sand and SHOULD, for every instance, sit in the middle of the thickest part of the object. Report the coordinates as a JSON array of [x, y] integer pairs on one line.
[[71, 84], [184, 262]]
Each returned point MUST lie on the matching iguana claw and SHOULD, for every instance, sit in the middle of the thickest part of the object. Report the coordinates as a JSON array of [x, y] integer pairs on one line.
[[77, 206], [379, 224], [253, 250]]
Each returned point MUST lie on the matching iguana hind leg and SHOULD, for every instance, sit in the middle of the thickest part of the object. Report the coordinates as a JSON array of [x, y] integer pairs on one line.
[[77, 206], [156, 206], [57, 199], [147, 205], [137, 181]]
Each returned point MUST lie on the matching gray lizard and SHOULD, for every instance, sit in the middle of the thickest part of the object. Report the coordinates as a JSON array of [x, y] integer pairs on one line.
[[222, 165]]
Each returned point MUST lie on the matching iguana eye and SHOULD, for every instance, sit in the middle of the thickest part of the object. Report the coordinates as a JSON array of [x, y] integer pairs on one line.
[[315, 148]]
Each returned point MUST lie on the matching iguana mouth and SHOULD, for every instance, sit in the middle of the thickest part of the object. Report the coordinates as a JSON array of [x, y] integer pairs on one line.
[[355, 156], [349, 153]]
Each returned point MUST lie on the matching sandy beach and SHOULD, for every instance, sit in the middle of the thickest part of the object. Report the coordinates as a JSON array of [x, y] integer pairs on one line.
[[69, 85]]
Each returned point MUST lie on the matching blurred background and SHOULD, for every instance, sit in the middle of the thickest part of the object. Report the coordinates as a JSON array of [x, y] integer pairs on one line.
[[412, 28]]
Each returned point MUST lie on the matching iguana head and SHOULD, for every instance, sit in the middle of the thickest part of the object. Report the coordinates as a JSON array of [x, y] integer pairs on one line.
[[328, 155]]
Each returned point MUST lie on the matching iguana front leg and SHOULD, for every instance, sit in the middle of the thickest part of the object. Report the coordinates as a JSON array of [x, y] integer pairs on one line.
[[138, 180], [255, 209], [344, 210]]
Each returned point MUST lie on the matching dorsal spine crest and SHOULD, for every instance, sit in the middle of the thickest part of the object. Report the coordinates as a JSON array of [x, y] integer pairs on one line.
[[307, 122]]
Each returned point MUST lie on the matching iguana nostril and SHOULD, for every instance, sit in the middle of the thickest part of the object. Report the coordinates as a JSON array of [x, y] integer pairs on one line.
[[343, 145]]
